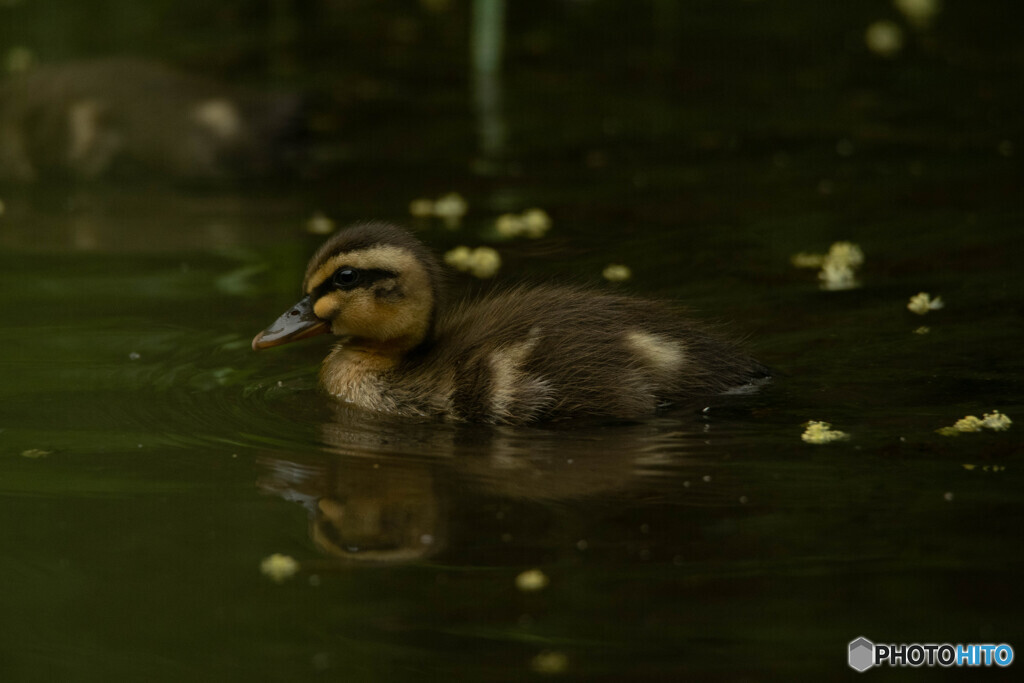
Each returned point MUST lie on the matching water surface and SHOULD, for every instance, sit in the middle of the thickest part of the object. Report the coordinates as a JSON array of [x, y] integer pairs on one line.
[[149, 460]]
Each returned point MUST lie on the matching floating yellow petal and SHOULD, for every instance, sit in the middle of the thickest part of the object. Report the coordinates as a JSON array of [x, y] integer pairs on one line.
[[532, 223], [532, 580], [319, 224], [451, 205], [923, 302], [279, 568], [836, 277], [537, 222], [920, 13], [550, 662], [845, 253], [450, 208], [884, 38], [968, 424], [821, 432], [617, 272], [995, 421], [421, 208], [838, 267], [509, 225], [483, 262], [457, 257]]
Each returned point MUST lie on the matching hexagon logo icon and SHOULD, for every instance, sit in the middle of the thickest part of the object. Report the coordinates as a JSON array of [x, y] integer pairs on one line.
[[862, 654]]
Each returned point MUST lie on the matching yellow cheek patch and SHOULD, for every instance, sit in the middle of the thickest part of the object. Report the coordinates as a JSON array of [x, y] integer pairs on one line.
[[327, 306]]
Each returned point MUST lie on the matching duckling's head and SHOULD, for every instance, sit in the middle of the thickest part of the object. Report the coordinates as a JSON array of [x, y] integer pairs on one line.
[[372, 283]]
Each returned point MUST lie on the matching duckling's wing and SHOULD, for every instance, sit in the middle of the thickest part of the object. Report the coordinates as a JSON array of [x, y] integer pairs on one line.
[[532, 353]]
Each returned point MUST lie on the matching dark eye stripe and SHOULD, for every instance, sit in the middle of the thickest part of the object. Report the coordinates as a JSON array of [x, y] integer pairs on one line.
[[346, 278], [367, 278]]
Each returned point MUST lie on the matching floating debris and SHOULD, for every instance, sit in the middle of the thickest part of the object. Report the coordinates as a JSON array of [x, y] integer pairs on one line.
[[616, 272], [995, 421], [2, 207], [838, 267], [923, 329], [532, 223], [319, 224], [279, 568], [483, 262], [817, 432], [922, 302], [531, 581], [884, 38], [35, 453], [550, 662]]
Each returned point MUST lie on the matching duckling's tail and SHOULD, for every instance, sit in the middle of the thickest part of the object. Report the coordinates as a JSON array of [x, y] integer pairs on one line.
[[760, 372]]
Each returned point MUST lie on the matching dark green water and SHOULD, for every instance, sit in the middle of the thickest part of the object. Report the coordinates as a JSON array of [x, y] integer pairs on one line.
[[706, 546]]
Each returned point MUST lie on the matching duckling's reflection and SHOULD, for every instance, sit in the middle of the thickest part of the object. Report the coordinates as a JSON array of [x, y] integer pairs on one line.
[[387, 515], [387, 492], [363, 510]]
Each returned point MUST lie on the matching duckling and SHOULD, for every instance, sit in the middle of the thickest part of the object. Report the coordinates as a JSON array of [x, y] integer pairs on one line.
[[525, 354]]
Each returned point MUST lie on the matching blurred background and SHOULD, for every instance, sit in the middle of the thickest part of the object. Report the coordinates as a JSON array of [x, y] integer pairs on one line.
[[167, 167]]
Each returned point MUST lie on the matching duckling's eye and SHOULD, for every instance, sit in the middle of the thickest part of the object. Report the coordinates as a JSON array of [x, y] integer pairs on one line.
[[346, 278]]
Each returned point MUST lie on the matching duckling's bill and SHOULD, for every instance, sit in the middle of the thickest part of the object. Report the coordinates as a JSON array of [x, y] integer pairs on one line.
[[297, 323]]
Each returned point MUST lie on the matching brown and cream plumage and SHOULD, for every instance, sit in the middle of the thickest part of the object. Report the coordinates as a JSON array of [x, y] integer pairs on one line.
[[525, 354]]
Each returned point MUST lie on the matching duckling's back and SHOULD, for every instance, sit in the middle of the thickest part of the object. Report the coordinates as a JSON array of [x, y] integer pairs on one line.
[[548, 352]]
